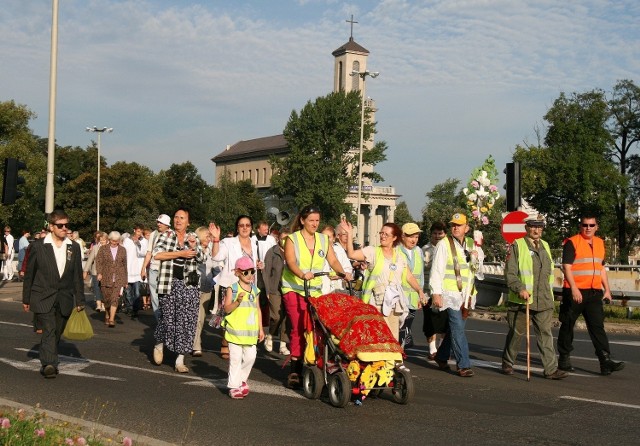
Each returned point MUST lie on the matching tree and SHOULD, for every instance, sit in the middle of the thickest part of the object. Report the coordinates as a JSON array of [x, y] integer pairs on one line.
[[232, 199], [572, 175], [182, 186], [18, 141], [624, 127], [402, 214], [321, 138]]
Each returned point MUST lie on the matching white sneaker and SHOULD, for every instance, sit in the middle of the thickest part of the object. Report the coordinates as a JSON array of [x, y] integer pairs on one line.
[[283, 349], [268, 343]]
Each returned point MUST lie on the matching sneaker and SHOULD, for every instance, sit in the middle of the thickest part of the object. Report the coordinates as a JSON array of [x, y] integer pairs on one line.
[[283, 349], [401, 366], [268, 343], [181, 368], [558, 374], [244, 388], [465, 373], [236, 394], [157, 355], [507, 368]]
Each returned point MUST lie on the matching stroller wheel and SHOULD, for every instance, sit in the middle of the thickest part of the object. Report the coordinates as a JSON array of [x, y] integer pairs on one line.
[[339, 389], [312, 382], [402, 386]]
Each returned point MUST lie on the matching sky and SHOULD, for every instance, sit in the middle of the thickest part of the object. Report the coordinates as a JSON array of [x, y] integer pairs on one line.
[[180, 80]]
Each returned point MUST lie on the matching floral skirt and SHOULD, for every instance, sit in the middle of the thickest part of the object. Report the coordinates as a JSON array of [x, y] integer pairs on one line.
[[178, 317]]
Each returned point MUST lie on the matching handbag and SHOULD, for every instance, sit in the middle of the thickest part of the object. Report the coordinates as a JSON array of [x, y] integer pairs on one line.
[[144, 288], [78, 327]]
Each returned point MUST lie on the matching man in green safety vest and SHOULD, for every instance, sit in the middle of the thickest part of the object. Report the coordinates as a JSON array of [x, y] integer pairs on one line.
[[529, 276]]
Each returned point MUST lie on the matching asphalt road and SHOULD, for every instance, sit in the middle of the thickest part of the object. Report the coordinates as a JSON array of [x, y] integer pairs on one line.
[[111, 381]]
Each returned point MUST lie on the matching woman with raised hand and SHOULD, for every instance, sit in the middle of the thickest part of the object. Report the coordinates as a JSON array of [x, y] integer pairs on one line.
[[387, 270], [230, 250]]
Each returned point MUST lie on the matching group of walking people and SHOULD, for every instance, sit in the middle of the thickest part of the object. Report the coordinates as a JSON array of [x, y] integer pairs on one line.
[[261, 281]]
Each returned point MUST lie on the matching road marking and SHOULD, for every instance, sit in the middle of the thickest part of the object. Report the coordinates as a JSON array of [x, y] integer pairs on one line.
[[73, 366], [606, 403], [16, 324]]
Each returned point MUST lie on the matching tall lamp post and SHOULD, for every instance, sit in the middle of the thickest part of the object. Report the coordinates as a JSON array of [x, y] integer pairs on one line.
[[363, 75], [99, 131]]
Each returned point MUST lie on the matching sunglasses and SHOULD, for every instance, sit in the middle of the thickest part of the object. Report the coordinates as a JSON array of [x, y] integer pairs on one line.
[[588, 225], [60, 225], [244, 225], [247, 272]]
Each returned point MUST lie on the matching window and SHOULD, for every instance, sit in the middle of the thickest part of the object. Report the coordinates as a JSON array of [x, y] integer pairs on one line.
[[355, 80]]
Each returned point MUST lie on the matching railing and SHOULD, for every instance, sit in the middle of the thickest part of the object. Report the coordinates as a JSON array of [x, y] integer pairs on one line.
[[624, 281]]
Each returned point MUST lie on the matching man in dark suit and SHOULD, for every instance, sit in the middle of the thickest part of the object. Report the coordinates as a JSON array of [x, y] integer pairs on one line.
[[53, 286]]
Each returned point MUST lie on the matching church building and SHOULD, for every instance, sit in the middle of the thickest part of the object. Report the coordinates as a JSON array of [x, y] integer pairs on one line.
[[249, 160]]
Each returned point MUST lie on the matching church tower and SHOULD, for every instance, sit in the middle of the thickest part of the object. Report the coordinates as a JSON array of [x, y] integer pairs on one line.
[[377, 204]]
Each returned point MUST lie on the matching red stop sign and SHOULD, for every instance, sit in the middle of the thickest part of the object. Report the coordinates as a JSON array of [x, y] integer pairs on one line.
[[513, 226]]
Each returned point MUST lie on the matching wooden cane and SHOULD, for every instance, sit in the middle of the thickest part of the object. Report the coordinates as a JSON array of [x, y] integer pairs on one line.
[[528, 346]]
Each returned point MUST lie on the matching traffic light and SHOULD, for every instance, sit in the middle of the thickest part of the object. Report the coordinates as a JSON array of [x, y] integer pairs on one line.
[[513, 186], [10, 192]]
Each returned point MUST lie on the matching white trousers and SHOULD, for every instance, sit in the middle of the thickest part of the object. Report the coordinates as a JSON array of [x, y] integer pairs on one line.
[[8, 267], [241, 360]]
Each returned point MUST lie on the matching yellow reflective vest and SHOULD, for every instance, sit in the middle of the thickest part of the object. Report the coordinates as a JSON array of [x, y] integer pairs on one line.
[[450, 282], [307, 262], [416, 266], [525, 270], [372, 276], [242, 325]]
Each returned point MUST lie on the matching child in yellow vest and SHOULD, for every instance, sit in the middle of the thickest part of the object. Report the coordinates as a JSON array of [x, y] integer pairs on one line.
[[243, 328]]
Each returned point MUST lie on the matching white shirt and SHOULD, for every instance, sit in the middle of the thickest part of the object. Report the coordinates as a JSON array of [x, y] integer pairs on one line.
[[151, 243], [263, 245], [329, 285], [135, 258], [450, 299], [10, 241], [230, 251], [59, 253]]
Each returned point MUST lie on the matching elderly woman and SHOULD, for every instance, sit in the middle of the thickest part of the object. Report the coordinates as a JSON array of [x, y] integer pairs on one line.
[[111, 270], [305, 253], [388, 269], [230, 250], [90, 268], [179, 254]]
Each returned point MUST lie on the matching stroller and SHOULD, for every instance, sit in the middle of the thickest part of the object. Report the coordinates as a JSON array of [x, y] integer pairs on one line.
[[351, 350]]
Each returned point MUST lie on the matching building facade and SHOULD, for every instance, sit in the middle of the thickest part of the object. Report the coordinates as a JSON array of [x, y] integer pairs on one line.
[[249, 160]]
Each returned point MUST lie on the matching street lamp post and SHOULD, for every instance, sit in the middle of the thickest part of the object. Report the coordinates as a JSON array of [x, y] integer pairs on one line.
[[99, 131], [363, 75]]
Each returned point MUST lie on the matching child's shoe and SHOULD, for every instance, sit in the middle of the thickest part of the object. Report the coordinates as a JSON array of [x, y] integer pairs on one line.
[[245, 389], [236, 394]]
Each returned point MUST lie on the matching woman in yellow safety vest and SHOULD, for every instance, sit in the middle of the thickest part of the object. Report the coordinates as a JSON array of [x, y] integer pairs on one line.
[[305, 252], [387, 268]]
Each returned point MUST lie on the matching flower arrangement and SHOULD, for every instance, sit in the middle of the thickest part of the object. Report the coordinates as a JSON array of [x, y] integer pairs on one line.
[[482, 191]]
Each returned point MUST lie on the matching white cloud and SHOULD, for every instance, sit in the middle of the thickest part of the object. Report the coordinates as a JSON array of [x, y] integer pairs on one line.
[[180, 80]]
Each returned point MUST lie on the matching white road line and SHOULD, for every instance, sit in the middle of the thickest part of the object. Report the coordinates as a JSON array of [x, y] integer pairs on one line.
[[71, 366], [606, 403], [16, 324]]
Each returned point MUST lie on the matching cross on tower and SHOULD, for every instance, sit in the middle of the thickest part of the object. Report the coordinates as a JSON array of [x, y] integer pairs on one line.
[[352, 22]]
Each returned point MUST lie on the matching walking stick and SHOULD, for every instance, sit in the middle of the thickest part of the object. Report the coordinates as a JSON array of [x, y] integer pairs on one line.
[[528, 346]]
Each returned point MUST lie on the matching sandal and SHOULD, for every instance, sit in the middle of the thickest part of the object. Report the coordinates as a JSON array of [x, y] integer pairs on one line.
[[224, 350], [112, 323]]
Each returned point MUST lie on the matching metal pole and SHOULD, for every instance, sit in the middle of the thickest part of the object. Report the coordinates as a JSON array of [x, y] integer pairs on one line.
[[51, 143], [98, 191], [361, 228]]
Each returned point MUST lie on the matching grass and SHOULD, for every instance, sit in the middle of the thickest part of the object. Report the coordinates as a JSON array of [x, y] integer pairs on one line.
[[612, 313], [18, 428]]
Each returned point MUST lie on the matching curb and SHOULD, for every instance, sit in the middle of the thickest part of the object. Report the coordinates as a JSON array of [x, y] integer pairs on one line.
[[91, 429]]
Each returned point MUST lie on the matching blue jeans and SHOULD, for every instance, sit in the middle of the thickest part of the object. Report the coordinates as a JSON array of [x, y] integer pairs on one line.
[[95, 286], [133, 296], [455, 340], [153, 291]]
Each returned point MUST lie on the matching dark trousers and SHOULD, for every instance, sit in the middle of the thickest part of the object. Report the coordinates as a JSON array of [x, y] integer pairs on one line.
[[52, 324], [406, 337], [591, 309]]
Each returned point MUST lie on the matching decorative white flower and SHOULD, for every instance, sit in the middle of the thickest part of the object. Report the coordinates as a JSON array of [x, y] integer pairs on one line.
[[472, 197]]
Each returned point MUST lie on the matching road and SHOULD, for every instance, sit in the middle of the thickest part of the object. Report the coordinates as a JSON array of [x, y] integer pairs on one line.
[[111, 381]]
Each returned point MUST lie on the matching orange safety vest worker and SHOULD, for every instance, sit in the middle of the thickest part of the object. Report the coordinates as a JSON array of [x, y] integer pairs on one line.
[[587, 266]]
